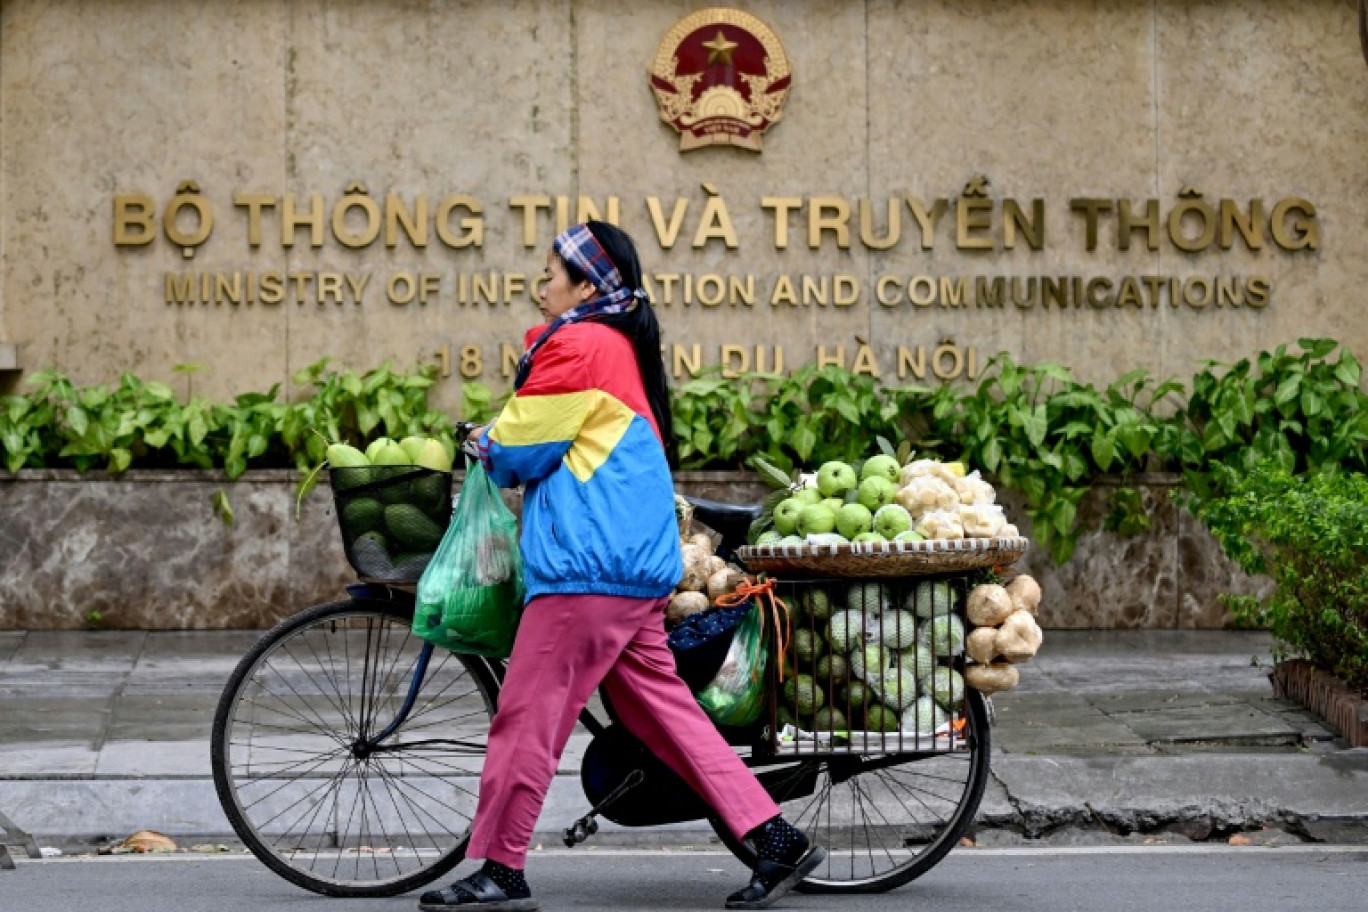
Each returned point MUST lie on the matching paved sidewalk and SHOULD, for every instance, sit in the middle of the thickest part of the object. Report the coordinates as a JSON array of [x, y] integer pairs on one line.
[[1117, 735]]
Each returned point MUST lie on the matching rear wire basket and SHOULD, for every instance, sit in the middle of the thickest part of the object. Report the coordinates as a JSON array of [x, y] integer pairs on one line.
[[392, 518], [872, 666]]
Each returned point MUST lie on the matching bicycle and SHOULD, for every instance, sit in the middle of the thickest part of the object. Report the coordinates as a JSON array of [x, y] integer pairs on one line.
[[346, 754]]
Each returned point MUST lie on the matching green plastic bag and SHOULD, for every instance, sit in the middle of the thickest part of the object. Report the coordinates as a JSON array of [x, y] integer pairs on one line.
[[470, 597], [736, 694]]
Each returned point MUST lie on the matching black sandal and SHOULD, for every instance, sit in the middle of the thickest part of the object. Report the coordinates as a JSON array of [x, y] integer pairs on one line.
[[770, 880], [479, 889]]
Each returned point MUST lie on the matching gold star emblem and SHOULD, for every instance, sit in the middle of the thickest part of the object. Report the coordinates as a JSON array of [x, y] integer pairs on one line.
[[720, 49]]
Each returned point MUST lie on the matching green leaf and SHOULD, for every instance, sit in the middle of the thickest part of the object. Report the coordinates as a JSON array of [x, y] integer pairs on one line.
[[223, 508], [119, 460], [770, 474], [1103, 450], [885, 447]]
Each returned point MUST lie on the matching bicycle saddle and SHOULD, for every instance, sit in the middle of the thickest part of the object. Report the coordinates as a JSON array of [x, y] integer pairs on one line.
[[732, 521]]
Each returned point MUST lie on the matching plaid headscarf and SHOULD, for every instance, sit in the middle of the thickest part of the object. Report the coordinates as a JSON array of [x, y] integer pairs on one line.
[[579, 247]]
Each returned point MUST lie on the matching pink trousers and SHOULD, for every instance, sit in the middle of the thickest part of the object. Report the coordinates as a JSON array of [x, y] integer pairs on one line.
[[566, 646]]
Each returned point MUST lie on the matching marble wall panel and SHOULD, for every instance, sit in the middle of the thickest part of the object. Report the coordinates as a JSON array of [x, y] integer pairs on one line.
[[1049, 99], [147, 551], [1266, 100], [107, 98]]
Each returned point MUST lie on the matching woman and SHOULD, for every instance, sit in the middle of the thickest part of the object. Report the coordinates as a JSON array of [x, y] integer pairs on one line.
[[587, 432]]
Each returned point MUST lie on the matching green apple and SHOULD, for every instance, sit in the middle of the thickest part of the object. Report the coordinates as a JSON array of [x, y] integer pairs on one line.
[[877, 491], [772, 537], [891, 520], [377, 445], [869, 537], [833, 504], [815, 519], [808, 496], [910, 536], [835, 478], [881, 465], [786, 515], [791, 540], [852, 519]]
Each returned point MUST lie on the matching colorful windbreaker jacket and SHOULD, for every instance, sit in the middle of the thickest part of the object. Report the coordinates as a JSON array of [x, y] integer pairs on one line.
[[598, 506]]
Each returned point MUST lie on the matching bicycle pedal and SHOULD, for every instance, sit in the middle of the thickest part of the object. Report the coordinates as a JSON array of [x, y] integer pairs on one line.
[[580, 831]]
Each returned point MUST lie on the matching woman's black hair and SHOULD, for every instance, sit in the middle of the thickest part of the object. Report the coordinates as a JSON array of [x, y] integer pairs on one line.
[[638, 324]]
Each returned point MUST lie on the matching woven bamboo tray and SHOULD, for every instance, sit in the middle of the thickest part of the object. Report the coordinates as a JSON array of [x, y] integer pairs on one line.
[[878, 559]]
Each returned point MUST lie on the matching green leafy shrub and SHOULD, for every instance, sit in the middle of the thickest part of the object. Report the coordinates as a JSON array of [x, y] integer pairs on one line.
[[145, 425], [1310, 533]]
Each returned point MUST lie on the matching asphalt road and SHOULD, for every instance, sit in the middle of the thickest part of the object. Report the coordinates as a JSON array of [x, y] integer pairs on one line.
[[1051, 880]]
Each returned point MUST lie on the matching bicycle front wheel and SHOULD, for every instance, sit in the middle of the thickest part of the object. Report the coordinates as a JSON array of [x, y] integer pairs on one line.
[[296, 774], [884, 820]]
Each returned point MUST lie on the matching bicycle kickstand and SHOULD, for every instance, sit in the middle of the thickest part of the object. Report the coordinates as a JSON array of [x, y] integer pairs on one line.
[[587, 826]]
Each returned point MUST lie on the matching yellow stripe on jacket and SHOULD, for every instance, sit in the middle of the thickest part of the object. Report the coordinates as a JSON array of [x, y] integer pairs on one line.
[[603, 427], [530, 420]]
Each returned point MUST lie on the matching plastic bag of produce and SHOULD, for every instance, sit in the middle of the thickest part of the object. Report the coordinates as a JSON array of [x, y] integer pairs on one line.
[[736, 694], [470, 597]]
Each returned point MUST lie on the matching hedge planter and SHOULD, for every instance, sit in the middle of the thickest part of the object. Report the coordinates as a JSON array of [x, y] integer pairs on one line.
[[147, 550], [1342, 707]]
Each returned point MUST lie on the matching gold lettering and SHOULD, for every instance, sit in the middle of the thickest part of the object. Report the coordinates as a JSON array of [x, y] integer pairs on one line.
[[845, 290], [472, 226], [865, 362], [254, 203], [414, 224], [926, 221], [825, 360], [329, 286], [1090, 208], [1258, 290], [369, 209], [272, 288], [986, 294], [782, 206], [828, 213], [180, 289], [357, 284], [688, 361], [1250, 227], [1294, 225], [715, 224], [1014, 219], [133, 215], [291, 220], [1189, 208], [880, 291], [1127, 223], [953, 291], [712, 290], [867, 235], [586, 209], [735, 361], [740, 292], [907, 364], [784, 292], [667, 233], [1129, 295], [975, 215], [816, 291], [530, 206]]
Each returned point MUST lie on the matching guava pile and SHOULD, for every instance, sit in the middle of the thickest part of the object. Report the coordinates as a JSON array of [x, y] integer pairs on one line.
[[707, 577], [1005, 633], [391, 517], [879, 500], [873, 656]]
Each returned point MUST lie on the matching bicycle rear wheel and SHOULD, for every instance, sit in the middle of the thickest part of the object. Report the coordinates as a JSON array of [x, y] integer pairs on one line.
[[294, 774], [884, 820]]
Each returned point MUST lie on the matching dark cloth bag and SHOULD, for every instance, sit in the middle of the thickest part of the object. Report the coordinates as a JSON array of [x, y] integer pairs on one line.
[[700, 642]]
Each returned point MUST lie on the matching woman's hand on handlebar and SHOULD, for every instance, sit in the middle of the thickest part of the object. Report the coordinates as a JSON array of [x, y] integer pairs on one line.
[[468, 436]]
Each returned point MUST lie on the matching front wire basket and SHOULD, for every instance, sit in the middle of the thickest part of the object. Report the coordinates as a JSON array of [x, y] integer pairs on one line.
[[392, 518], [872, 666]]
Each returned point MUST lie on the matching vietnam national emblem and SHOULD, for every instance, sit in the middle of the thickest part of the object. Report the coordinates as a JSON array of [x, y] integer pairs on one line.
[[720, 77]]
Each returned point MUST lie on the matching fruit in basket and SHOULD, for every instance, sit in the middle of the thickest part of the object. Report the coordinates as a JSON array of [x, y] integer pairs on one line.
[[897, 629], [855, 695], [846, 631], [770, 537], [909, 536], [891, 520], [869, 537], [363, 514], [829, 719], [941, 524], [877, 491], [870, 662], [923, 717], [342, 456], [943, 635], [411, 528], [833, 504], [832, 668], [835, 478], [919, 660], [412, 446], [879, 718], [896, 687], [854, 518], [947, 686], [371, 550], [881, 464], [391, 454], [808, 496], [807, 646], [931, 598], [815, 520], [432, 494], [792, 540], [786, 515], [432, 455], [816, 602], [870, 598], [375, 446], [784, 716], [803, 694]]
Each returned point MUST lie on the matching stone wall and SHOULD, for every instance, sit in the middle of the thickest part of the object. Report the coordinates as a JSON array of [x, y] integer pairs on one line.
[[891, 99], [148, 551]]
